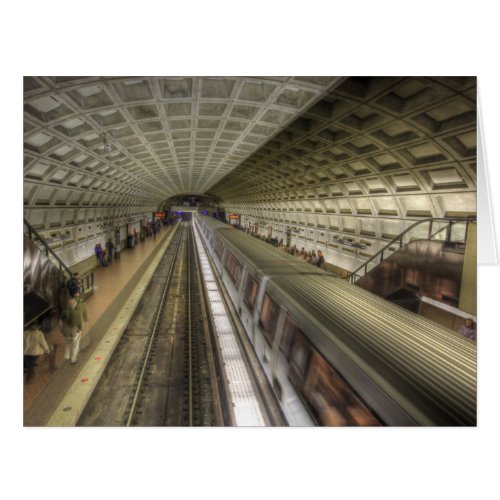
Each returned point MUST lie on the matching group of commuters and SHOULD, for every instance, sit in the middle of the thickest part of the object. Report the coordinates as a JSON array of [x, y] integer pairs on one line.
[[105, 257], [39, 337], [316, 259], [101, 254]]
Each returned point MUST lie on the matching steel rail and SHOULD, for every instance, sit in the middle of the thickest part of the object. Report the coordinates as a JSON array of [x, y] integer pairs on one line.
[[154, 332], [190, 336]]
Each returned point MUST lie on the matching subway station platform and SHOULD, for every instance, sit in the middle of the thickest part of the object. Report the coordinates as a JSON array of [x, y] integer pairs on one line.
[[114, 285]]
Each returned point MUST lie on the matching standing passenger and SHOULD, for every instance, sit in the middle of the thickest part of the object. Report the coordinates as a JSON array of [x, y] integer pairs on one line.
[[314, 257], [320, 261], [468, 330], [109, 248], [72, 324]]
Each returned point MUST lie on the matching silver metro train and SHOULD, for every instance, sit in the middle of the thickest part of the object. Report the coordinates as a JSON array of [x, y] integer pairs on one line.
[[336, 354]]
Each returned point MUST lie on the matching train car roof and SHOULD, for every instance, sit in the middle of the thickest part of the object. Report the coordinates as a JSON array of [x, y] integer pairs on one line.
[[265, 258], [399, 349], [403, 352]]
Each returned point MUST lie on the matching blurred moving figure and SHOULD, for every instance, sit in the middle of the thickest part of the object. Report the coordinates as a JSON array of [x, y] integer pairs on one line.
[[34, 346], [72, 325]]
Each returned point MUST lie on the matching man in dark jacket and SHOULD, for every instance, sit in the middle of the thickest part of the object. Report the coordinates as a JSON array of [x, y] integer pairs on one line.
[[109, 248], [73, 285]]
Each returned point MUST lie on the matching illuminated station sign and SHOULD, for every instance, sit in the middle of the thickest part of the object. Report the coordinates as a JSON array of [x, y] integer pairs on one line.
[[233, 216]]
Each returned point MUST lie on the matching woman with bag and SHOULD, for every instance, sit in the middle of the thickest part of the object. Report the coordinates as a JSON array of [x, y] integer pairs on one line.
[[34, 346]]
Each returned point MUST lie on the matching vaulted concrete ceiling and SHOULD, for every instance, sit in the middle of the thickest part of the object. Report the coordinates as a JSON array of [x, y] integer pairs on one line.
[[404, 144], [150, 137]]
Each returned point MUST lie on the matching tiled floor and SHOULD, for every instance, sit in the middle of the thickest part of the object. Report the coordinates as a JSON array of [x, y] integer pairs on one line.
[[109, 282]]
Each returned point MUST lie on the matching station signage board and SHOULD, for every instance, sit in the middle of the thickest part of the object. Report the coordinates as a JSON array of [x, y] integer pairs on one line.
[[233, 216]]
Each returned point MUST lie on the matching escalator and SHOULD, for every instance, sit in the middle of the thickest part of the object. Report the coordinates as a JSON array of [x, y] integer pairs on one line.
[[423, 268], [434, 276]]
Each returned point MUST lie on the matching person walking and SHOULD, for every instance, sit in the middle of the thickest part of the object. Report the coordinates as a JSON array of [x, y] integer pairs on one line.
[[109, 248], [72, 325], [82, 308], [34, 346]]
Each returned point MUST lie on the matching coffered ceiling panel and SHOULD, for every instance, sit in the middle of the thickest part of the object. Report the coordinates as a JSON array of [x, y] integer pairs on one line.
[[158, 136], [369, 137], [374, 146]]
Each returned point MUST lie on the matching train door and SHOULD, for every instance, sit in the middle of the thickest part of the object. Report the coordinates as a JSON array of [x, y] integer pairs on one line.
[[250, 294], [291, 359], [257, 306]]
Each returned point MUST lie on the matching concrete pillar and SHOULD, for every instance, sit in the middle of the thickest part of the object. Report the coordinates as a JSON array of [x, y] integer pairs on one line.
[[468, 288]]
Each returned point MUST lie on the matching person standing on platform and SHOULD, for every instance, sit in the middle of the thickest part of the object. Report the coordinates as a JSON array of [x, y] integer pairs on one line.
[[320, 261], [100, 255], [136, 236], [109, 248], [82, 308], [468, 330], [74, 285], [34, 346], [72, 325]]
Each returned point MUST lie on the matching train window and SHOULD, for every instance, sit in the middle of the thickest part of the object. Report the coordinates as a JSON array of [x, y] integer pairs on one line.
[[289, 329], [269, 317], [330, 398], [299, 358], [251, 293], [233, 268], [219, 247]]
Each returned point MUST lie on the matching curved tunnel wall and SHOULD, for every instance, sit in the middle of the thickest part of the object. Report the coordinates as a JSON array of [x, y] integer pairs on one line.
[[333, 158], [363, 164]]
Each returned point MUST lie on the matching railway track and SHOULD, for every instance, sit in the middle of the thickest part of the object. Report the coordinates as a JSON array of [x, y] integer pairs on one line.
[[162, 372]]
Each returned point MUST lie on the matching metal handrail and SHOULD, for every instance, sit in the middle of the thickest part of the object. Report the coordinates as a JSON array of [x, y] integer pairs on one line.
[[399, 239], [31, 231], [87, 279]]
